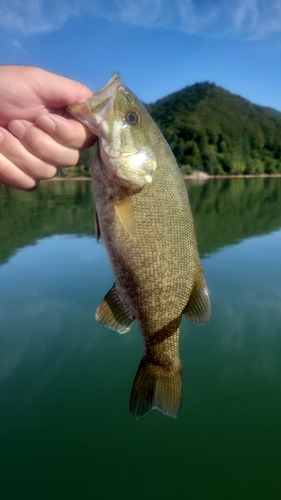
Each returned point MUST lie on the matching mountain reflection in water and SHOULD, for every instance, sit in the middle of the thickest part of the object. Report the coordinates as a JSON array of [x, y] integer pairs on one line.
[[225, 211]]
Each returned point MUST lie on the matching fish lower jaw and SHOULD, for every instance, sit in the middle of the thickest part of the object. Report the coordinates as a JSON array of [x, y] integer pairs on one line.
[[124, 181]]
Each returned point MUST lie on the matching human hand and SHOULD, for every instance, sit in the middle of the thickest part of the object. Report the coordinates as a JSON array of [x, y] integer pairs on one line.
[[36, 134]]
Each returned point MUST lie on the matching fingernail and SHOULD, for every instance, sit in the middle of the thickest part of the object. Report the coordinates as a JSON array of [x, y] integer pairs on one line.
[[17, 128], [46, 123], [35, 186]]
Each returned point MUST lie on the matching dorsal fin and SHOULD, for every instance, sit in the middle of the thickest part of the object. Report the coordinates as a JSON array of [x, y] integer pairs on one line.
[[198, 308], [111, 313], [126, 214], [97, 225]]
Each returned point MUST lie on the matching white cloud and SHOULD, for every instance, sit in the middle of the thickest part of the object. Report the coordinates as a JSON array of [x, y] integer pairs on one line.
[[143, 12], [240, 18], [36, 16], [245, 15], [17, 48], [256, 18]]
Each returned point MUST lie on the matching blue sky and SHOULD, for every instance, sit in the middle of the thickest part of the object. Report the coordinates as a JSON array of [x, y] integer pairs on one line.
[[159, 46]]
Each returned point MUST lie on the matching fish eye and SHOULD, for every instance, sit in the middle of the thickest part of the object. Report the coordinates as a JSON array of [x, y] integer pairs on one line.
[[132, 117]]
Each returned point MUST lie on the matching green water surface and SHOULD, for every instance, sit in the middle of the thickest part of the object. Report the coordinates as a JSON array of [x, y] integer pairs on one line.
[[65, 381]]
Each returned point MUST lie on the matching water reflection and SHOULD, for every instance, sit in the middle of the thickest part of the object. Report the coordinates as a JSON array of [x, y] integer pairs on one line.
[[225, 211], [65, 381], [229, 210], [54, 208]]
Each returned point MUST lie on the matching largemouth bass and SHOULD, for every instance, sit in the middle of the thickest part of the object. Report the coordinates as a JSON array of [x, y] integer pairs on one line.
[[144, 218]]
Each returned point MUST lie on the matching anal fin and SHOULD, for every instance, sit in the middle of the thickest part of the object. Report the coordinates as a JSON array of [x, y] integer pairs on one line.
[[198, 308], [111, 313]]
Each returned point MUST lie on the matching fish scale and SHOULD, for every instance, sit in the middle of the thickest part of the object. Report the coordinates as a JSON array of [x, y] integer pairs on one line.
[[145, 221]]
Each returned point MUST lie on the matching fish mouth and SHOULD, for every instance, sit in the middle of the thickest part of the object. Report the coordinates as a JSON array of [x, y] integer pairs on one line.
[[110, 87], [100, 104]]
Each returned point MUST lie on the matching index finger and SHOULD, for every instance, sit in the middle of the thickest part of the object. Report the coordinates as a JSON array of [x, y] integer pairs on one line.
[[66, 130]]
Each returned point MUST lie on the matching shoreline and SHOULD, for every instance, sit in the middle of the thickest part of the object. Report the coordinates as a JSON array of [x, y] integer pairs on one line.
[[69, 179], [198, 176], [201, 176]]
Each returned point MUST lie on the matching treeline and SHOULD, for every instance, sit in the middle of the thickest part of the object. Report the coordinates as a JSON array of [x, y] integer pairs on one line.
[[212, 130]]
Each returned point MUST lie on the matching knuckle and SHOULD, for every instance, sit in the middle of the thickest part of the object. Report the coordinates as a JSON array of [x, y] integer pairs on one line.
[[36, 146], [51, 151], [48, 173], [65, 157]]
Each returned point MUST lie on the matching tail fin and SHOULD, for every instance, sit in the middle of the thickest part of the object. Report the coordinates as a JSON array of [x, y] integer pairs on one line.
[[156, 388]]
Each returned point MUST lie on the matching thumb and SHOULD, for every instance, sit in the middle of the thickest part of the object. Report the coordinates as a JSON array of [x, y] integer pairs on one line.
[[58, 91]]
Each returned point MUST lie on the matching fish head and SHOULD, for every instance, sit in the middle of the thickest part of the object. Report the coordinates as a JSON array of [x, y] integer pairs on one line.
[[121, 122]]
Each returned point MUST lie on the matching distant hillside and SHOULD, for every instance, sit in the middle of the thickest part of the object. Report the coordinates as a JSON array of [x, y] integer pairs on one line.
[[210, 129]]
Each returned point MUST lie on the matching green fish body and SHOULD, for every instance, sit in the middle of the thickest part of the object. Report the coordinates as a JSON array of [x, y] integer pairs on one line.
[[145, 220]]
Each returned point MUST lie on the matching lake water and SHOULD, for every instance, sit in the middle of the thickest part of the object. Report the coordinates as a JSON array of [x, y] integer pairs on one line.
[[65, 381]]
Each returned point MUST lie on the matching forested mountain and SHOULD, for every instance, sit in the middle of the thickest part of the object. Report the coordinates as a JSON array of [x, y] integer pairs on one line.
[[213, 130], [210, 129]]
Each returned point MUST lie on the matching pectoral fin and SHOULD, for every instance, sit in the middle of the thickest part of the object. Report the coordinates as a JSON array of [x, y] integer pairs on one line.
[[126, 214], [198, 308], [111, 313]]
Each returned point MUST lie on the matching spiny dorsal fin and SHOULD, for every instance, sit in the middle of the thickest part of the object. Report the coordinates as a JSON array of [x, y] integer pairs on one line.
[[97, 226], [198, 308], [112, 314], [126, 214]]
